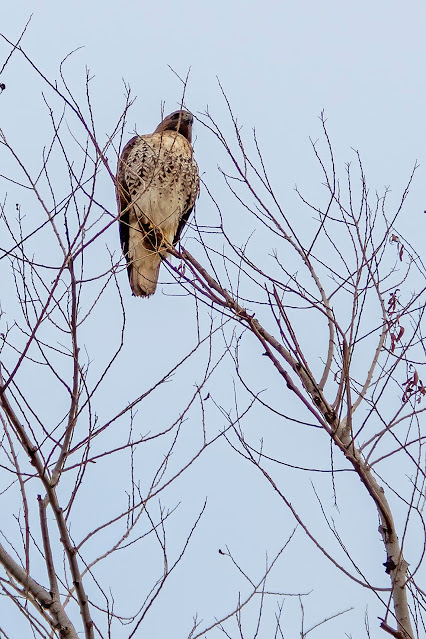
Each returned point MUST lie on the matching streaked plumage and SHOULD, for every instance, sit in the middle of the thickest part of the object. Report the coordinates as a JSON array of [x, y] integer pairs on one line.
[[157, 184]]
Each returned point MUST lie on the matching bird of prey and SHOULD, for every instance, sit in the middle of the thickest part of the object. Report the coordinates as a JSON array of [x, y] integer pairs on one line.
[[157, 184]]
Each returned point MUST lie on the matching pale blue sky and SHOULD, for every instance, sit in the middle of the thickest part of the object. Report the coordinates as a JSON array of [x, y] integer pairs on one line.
[[281, 64]]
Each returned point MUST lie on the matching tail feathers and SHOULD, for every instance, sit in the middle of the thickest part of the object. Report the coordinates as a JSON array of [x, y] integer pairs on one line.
[[143, 272]]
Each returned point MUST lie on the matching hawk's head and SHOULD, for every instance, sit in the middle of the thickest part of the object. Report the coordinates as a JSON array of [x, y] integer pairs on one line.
[[180, 121]]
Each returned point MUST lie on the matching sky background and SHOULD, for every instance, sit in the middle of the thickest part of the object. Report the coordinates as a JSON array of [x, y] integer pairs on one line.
[[281, 65]]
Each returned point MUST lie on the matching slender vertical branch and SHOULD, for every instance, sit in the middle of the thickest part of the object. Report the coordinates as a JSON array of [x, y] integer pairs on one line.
[[70, 551]]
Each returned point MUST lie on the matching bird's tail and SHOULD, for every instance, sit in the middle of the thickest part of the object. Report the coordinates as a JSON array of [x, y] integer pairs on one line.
[[143, 271]]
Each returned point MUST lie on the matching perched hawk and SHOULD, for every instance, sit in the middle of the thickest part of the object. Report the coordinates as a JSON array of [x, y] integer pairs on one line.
[[157, 184]]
